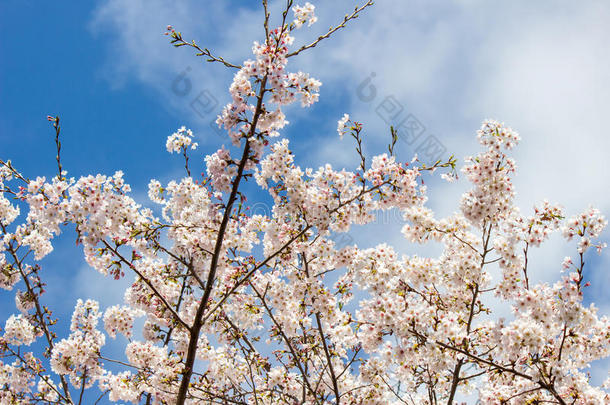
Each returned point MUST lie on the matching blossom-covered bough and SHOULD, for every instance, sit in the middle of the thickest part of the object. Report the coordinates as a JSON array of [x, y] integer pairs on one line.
[[239, 309]]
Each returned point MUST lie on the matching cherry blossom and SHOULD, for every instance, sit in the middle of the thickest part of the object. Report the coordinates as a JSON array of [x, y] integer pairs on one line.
[[304, 14], [19, 331], [181, 139], [342, 125]]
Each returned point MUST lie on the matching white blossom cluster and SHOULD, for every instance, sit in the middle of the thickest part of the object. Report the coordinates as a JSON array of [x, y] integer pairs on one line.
[[284, 87], [304, 14], [180, 140]]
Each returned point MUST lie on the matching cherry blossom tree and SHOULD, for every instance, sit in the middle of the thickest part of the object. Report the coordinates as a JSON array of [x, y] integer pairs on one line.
[[238, 308]]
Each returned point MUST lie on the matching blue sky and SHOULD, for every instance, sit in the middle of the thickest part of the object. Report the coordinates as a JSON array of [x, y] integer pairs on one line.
[[107, 69]]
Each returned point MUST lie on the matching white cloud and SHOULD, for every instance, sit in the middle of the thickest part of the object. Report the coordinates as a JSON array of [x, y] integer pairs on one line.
[[138, 51], [91, 284]]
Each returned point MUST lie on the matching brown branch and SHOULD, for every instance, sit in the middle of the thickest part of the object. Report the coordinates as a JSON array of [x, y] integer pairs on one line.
[[525, 251], [266, 23], [186, 161], [475, 291], [328, 359], [281, 249], [149, 284], [396, 394], [82, 387], [178, 41], [38, 372], [331, 30], [326, 352], [55, 121], [39, 311], [287, 341], [542, 384], [198, 323]]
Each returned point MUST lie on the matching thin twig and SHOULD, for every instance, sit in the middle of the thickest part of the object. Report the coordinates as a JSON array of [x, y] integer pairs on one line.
[[331, 30]]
